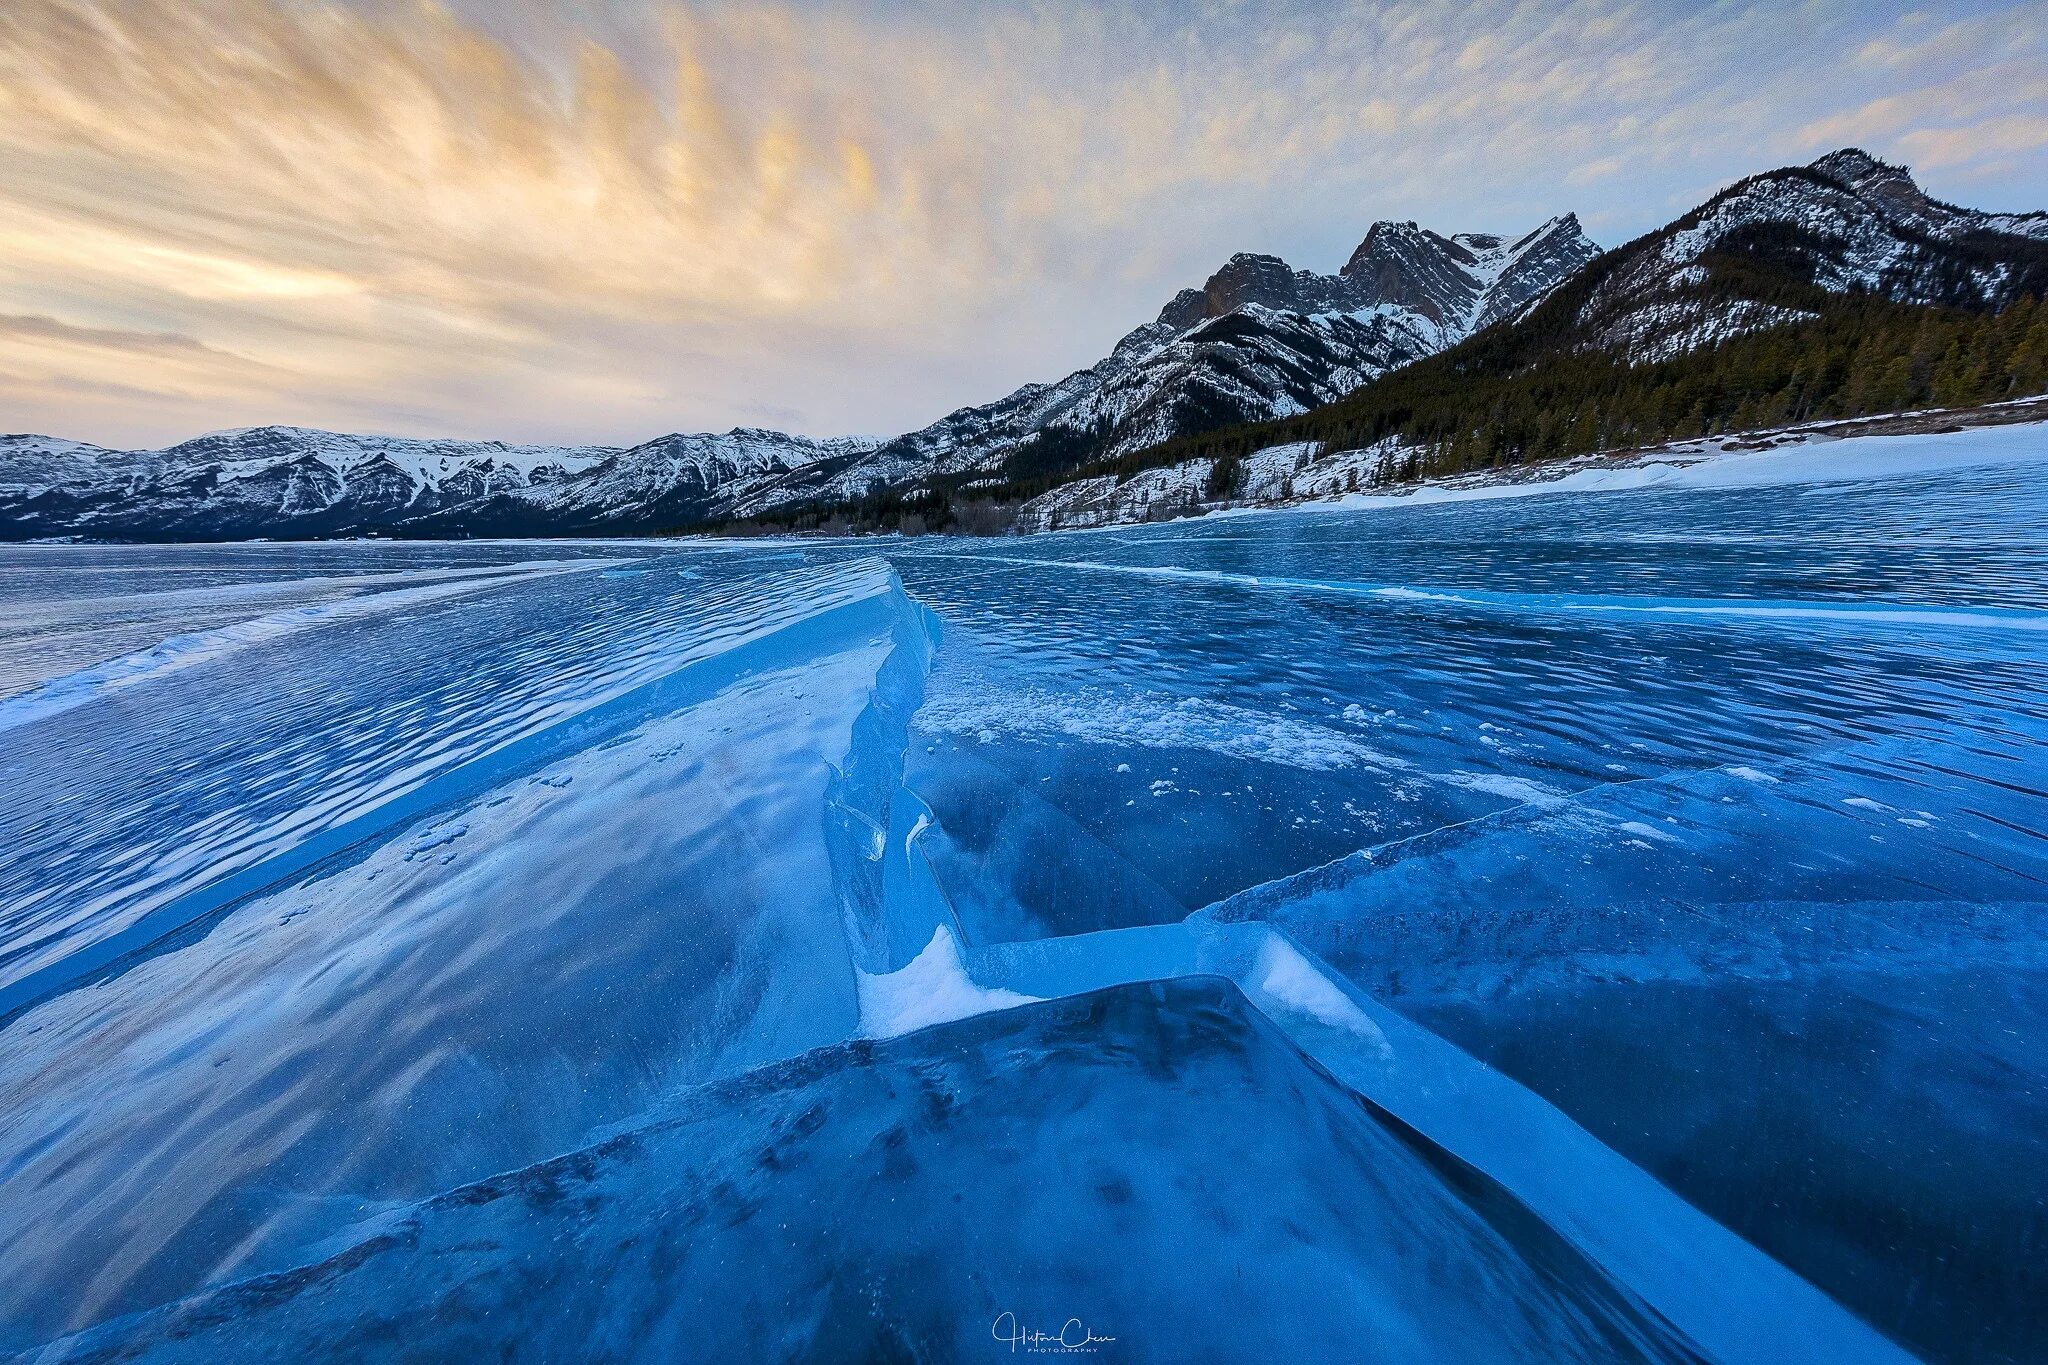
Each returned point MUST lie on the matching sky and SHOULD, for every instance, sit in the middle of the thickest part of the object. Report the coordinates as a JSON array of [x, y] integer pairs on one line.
[[599, 222]]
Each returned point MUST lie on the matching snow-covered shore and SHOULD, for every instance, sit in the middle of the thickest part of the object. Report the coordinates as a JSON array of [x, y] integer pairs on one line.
[[1817, 454]]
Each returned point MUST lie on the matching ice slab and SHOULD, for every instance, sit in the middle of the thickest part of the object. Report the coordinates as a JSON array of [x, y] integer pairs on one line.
[[563, 933], [1728, 1300], [1833, 1002], [154, 806], [939, 1194]]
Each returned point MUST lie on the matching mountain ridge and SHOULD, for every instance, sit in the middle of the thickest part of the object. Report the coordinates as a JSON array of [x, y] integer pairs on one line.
[[1394, 345], [1832, 290], [1248, 349]]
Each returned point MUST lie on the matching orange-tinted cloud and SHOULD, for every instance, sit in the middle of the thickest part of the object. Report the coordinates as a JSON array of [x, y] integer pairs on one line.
[[518, 219]]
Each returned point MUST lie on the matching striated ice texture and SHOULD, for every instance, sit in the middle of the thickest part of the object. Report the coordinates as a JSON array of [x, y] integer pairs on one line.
[[1597, 926]]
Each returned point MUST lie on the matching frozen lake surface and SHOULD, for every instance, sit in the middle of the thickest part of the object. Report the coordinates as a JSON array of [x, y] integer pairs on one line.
[[1601, 924]]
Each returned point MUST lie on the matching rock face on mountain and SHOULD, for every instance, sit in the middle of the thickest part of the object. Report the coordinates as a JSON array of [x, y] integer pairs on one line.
[[1457, 284], [1846, 223]]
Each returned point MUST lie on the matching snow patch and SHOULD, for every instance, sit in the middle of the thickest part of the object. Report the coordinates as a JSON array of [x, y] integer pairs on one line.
[[922, 823], [1285, 979], [933, 988], [1521, 789]]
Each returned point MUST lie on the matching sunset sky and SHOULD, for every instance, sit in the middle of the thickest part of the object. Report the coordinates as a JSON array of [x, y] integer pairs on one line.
[[549, 221]]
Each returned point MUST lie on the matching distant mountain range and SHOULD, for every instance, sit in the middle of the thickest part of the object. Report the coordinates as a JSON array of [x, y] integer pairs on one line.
[[1257, 340], [1261, 357], [297, 482]]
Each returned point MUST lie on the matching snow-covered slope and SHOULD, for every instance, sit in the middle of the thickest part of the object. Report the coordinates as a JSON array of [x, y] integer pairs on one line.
[[1846, 223], [1303, 476]]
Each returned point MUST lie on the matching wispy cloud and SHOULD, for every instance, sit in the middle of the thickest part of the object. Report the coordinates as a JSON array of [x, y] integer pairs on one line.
[[551, 220]]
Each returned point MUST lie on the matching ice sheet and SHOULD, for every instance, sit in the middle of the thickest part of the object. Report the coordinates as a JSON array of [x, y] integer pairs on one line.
[[199, 646], [560, 940], [942, 1193], [1565, 927]]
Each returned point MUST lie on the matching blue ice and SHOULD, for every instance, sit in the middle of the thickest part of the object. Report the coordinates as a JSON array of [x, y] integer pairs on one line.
[[1603, 925]]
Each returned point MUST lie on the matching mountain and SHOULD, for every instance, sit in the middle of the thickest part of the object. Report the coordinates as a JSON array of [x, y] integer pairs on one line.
[[1826, 290], [294, 481], [1848, 223], [670, 481], [1835, 289], [1258, 340]]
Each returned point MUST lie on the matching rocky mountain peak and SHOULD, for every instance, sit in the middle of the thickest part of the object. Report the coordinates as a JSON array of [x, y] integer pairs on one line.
[[1859, 170], [1531, 266], [1452, 284], [1564, 226], [1249, 278], [1890, 188], [1393, 241]]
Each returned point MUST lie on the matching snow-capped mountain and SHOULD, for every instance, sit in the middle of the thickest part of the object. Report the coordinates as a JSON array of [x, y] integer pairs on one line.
[[1846, 223], [1258, 340], [1841, 242], [670, 481], [295, 481]]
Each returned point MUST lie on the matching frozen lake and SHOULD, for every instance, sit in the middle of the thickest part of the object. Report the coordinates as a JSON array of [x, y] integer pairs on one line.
[[1595, 924]]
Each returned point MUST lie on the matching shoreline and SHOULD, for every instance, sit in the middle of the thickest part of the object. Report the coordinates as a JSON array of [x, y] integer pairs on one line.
[[1750, 459]]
